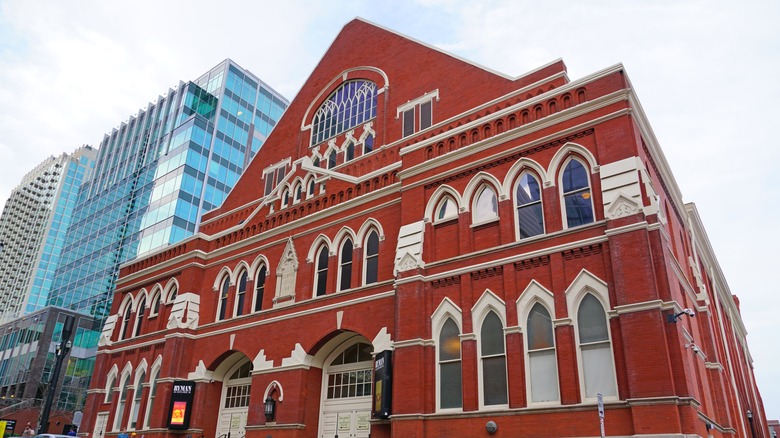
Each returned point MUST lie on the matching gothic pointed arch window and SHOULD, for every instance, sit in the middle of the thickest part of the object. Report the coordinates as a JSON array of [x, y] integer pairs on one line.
[[372, 257], [449, 358], [493, 361], [223, 298], [241, 293], [485, 204], [125, 333], [528, 201], [598, 366], [139, 316], [345, 265], [542, 364], [577, 199], [446, 209], [351, 104], [321, 273], [368, 144], [349, 151], [332, 159], [260, 288]]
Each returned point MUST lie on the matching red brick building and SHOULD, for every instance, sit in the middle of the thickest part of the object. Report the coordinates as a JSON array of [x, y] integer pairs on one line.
[[511, 249]]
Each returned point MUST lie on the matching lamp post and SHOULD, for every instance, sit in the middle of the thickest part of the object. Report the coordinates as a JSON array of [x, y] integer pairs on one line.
[[62, 350], [749, 414]]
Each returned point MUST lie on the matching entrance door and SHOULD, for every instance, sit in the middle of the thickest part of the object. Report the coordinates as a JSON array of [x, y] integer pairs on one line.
[[100, 425], [235, 402], [346, 393]]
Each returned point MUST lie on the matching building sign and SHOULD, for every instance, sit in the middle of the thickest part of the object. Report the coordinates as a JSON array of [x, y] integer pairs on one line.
[[181, 405], [9, 424], [383, 384]]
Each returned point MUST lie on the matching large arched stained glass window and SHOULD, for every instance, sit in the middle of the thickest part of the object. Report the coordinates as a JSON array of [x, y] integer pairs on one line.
[[353, 103]]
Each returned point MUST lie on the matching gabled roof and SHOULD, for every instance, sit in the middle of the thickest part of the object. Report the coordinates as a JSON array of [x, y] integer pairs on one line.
[[412, 69]]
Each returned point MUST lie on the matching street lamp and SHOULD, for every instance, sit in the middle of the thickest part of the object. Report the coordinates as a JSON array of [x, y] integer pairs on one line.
[[62, 350], [749, 414]]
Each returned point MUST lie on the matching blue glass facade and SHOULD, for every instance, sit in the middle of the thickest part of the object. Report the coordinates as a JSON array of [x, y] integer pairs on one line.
[[33, 229], [157, 173]]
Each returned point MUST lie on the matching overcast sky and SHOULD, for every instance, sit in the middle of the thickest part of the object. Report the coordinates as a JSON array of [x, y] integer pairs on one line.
[[705, 72]]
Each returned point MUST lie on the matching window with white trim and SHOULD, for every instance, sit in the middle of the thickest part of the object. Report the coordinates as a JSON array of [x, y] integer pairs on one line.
[[349, 151], [120, 407], [345, 265], [321, 272], [273, 175], [223, 298], [368, 144], [417, 115], [139, 316], [138, 393], [260, 288], [125, 333], [486, 205], [450, 378], [493, 358], [446, 209], [528, 201], [332, 159], [152, 393], [596, 359], [372, 257], [577, 199], [241, 293], [156, 301], [542, 364], [351, 104]]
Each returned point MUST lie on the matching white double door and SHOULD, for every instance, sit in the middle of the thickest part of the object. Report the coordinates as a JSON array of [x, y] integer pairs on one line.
[[232, 422], [350, 418]]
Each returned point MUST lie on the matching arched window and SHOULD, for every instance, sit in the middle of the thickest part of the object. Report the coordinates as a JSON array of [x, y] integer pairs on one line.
[[372, 257], [137, 394], [350, 151], [286, 198], [486, 205], [110, 388], [595, 349], [241, 294], [528, 200], [368, 144], [493, 356], [125, 333], [446, 209], [298, 192], [450, 386], [321, 275], [238, 387], [120, 407], [223, 298], [152, 393], [577, 195], [139, 316], [332, 159], [260, 288], [316, 162], [311, 188], [156, 302], [542, 366], [174, 292], [350, 105], [345, 265]]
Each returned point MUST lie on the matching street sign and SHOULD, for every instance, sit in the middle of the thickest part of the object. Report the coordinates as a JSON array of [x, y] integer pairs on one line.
[[600, 399]]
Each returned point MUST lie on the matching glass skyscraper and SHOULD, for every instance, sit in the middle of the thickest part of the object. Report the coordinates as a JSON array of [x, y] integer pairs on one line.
[[33, 227], [157, 173]]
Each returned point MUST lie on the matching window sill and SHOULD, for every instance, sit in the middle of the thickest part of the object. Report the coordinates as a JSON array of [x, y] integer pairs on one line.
[[447, 220], [485, 222]]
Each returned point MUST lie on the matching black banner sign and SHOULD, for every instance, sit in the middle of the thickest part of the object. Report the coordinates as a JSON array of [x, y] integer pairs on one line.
[[181, 405], [383, 384]]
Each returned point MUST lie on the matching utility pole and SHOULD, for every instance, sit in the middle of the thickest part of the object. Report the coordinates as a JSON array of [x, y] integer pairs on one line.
[[62, 350]]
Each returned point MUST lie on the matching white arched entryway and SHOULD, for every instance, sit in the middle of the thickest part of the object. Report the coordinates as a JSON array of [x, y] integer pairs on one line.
[[234, 403], [345, 403]]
